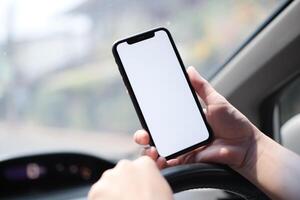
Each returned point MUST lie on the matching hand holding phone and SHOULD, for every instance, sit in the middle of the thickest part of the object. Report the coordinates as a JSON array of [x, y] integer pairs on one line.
[[161, 92]]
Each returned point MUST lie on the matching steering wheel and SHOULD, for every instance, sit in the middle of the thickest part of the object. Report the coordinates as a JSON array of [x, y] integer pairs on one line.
[[200, 175]]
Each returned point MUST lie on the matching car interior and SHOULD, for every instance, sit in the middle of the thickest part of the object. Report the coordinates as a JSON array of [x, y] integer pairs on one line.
[[261, 79]]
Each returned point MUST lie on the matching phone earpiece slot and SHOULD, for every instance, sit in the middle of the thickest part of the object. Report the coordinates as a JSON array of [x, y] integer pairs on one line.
[[139, 38]]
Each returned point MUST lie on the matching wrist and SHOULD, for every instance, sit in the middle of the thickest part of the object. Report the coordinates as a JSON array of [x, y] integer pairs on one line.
[[255, 149]]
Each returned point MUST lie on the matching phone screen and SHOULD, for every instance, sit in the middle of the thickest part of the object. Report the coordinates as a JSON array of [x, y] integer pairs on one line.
[[163, 94]]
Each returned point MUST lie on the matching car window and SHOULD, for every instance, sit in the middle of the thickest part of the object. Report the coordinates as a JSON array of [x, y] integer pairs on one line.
[[59, 86], [289, 112]]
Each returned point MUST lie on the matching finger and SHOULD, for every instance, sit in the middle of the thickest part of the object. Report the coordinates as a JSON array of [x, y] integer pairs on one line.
[[219, 153], [177, 161], [173, 162], [141, 137], [151, 152], [211, 154], [161, 162], [123, 164], [106, 173], [206, 92], [144, 161], [185, 158]]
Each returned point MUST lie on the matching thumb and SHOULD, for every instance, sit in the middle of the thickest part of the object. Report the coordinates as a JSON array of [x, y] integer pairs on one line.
[[206, 92]]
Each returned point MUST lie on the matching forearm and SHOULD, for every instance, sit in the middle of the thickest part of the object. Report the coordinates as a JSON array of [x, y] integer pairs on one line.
[[272, 168]]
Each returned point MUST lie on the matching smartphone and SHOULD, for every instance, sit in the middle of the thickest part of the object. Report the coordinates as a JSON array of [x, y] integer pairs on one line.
[[159, 87]]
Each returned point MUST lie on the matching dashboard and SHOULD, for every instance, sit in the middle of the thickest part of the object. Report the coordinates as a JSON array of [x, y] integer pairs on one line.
[[50, 176]]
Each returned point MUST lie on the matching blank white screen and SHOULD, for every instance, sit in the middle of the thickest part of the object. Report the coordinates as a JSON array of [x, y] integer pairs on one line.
[[163, 94]]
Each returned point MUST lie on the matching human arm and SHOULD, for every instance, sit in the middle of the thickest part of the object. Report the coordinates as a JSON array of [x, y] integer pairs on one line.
[[239, 144], [272, 168], [132, 180]]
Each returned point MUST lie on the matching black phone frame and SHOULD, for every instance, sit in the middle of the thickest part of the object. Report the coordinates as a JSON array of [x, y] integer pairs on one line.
[[141, 37]]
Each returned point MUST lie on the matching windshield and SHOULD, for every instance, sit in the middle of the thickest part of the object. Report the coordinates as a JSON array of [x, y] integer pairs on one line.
[[60, 89]]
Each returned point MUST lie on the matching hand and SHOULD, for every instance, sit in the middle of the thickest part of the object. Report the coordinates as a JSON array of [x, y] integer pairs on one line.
[[131, 180], [234, 134]]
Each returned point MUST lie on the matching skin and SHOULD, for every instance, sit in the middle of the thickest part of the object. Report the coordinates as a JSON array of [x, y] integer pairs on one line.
[[233, 132], [237, 143], [130, 180]]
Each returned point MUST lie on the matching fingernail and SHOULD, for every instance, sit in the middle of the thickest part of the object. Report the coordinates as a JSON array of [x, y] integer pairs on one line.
[[152, 149]]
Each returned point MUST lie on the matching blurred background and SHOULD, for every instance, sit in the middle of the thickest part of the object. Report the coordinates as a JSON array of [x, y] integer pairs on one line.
[[60, 89]]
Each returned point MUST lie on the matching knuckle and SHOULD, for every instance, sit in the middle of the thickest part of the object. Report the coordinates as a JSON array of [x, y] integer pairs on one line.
[[146, 160], [106, 173], [123, 164]]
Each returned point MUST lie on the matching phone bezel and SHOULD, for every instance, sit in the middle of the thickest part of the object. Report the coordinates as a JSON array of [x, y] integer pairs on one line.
[[141, 37]]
